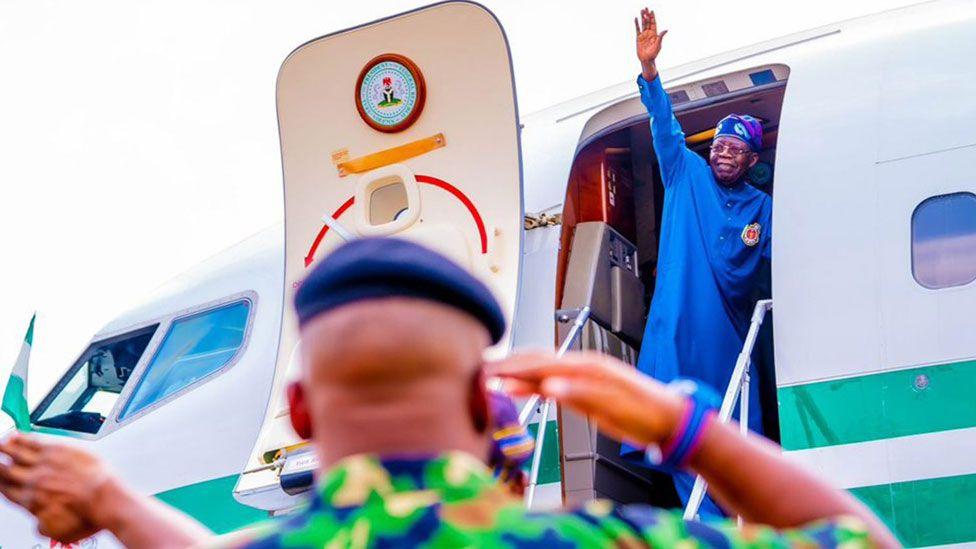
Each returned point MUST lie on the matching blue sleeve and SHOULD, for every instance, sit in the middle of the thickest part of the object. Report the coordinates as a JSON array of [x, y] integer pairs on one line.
[[666, 133]]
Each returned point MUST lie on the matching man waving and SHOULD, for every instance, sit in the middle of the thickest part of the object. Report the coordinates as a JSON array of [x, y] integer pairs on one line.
[[715, 239]]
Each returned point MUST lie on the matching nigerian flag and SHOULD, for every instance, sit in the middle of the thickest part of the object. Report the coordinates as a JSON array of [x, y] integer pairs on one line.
[[15, 396]]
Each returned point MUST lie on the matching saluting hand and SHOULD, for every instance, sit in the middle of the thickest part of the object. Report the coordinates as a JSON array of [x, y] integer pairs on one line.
[[648, 43], [627, 405]]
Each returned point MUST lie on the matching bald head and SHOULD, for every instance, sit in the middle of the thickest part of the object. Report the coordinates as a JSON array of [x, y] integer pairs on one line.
[[394, 340], [393, 375]]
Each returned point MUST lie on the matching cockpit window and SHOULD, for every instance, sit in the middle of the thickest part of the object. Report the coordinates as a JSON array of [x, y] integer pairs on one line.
[[194, 347], [86, 394]]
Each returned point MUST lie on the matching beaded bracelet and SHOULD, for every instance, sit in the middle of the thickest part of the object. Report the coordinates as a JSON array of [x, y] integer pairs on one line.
[[698, 414]]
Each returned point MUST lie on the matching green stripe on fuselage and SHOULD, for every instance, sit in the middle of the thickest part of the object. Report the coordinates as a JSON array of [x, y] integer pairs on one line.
[[878, 406], [936, 511], [212, 503]]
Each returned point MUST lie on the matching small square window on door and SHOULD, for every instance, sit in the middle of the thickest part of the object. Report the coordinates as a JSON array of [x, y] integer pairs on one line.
[[944, 241]]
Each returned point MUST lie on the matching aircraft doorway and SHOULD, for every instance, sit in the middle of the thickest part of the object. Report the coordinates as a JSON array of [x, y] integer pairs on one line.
[[608, 256]]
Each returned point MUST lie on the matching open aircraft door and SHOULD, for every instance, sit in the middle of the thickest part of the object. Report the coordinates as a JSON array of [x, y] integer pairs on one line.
[[403, 127]]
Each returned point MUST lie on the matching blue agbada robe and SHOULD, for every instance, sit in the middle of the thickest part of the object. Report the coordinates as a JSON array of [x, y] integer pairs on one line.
[[709, 265]]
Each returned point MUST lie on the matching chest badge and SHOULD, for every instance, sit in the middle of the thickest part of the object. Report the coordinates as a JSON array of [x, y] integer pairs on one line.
[[750, 234]]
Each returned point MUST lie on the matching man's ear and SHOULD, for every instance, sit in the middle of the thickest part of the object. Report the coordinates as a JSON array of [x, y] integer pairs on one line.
[[753, 158], [301, 421], [478, 402]]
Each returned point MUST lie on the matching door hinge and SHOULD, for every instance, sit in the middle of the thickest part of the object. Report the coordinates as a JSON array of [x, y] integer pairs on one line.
[[542, 220]]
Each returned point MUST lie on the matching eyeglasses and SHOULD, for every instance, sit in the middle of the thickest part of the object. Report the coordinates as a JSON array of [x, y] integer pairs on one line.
[[719, 148]]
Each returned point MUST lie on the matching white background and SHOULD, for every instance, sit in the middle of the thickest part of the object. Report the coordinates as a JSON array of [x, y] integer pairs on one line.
[[139, 137]]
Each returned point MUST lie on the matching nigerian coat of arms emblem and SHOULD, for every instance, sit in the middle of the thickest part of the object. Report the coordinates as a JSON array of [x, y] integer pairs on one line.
[[390, 93]]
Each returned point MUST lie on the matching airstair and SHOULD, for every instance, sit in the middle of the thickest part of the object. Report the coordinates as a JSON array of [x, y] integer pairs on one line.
[[602, 310]]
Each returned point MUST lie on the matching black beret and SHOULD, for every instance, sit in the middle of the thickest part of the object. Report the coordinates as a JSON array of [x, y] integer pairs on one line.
[[372, 268]]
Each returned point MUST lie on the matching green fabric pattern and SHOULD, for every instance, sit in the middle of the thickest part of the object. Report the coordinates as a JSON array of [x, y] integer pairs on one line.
[[451, 500]]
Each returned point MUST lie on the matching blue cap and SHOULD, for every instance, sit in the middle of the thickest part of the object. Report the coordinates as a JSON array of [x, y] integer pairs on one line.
[[376, 268], [743, 127]]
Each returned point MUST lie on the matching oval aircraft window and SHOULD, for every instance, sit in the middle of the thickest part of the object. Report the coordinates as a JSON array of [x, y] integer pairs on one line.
[[387, 202], [944, 241]]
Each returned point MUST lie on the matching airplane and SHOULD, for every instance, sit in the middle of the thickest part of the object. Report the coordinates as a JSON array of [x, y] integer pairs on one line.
[[388, 129]]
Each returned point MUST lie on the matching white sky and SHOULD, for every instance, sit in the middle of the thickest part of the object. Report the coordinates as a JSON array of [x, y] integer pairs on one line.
[[138, 138]]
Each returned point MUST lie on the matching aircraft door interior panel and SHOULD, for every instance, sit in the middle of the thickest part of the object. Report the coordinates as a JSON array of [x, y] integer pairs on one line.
[[604, 188], [602, 273], [647, 194], [617, 186], [627, 294], [587, 278]]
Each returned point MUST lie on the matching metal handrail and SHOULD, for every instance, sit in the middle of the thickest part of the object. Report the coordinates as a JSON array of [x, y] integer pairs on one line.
[[738, 389], [581, 316]]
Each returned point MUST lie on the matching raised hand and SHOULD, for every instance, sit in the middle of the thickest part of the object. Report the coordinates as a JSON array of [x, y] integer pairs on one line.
[[74, 495], [648, 43], [28, 479]]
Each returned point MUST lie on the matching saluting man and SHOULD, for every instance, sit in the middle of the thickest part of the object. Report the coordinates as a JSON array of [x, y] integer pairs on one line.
[[715, 239]]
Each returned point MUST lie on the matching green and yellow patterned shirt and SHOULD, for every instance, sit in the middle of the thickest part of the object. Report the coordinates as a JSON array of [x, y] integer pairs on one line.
[[453, 501]]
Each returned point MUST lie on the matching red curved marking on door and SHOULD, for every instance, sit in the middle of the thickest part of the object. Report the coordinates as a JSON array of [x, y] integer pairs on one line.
[[325, 228], [472, 209], [464, 200]]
